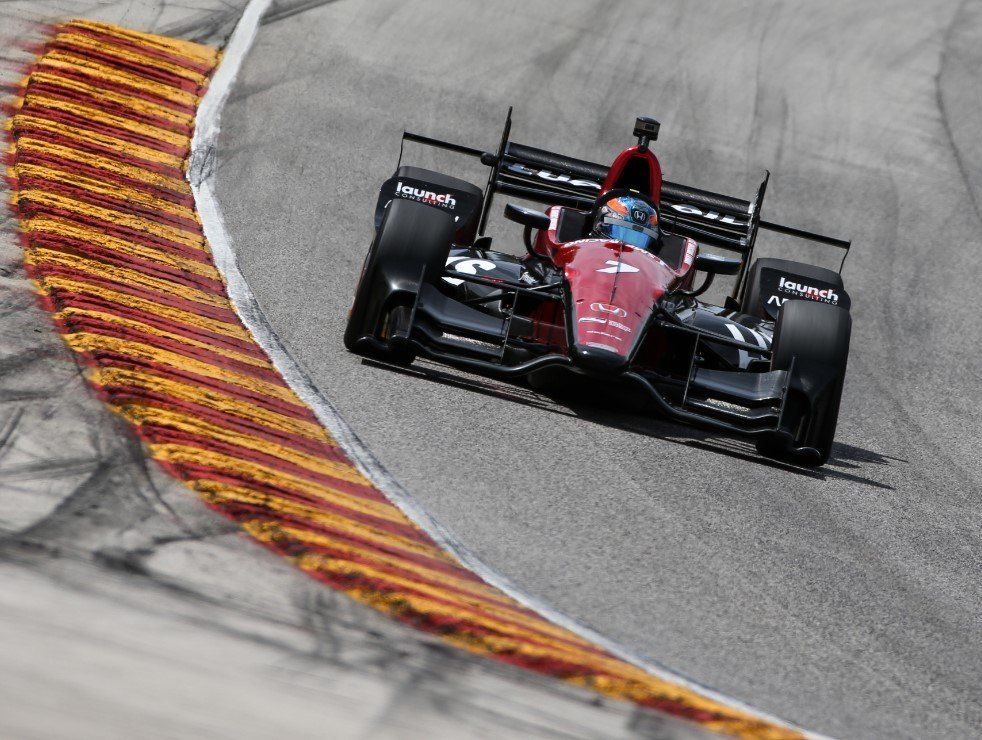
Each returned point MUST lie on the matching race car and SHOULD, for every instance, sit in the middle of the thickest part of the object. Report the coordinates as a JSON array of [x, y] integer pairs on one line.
[[607, 292]]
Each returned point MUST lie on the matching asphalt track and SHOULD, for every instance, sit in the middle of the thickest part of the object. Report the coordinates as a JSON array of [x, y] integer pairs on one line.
[[128, 608], [845, 599]]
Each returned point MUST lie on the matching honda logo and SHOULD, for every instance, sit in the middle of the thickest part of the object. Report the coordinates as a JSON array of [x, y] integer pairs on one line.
[[607, 308]]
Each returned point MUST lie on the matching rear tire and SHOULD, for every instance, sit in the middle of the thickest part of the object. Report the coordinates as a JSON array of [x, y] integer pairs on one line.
[[412, 243], [811, 340], [750, 300]]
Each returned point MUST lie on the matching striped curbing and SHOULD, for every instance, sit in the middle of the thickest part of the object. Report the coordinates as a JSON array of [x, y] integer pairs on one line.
[[100, 135]]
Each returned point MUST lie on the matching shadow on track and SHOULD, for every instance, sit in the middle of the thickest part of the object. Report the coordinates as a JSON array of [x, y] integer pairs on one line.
[[844, 457]]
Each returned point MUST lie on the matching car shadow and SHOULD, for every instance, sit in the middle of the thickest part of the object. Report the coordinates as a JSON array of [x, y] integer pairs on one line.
[[493, 387], [845, 457]]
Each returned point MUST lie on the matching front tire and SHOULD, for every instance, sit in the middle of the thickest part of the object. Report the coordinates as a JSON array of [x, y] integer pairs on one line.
[[411, 245], [811, 341]]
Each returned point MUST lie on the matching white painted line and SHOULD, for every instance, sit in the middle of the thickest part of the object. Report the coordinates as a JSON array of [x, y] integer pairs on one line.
[[208, 117], [247, 307]]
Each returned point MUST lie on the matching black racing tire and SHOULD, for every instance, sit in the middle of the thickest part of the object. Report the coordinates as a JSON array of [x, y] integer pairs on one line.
[[814, 338], [413, 241], [750, 301]]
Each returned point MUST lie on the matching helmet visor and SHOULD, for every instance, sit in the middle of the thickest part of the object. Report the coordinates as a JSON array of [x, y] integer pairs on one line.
[[628, 232]]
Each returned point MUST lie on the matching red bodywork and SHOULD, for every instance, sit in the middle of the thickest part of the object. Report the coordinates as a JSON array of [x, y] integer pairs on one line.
[[613, 287], [635, 169], [612, 290]]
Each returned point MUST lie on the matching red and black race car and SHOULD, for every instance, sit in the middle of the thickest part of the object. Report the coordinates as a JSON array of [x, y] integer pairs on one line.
[[607, 292]]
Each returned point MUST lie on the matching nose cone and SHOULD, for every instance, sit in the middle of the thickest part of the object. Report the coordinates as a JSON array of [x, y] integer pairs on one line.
[[599, 360]]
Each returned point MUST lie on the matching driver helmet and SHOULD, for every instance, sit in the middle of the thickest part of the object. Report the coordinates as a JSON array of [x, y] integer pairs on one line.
[[630, 219]]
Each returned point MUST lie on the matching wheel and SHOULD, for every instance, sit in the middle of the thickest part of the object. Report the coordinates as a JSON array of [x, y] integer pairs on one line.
[[811, 340], [750, 300], [412, 244]]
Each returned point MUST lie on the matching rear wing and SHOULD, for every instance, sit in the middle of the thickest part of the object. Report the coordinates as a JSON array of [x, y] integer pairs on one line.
[[556, 179]]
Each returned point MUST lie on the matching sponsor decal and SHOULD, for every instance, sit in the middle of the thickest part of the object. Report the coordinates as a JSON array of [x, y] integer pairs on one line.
[[425, 196], [554, 219], [777, 286], [825, 295], [690, 253], [608, 308], [599, 345], [708, 215], [468, 266], [608, 322], [603, 334], [616, 266], [521, 169]]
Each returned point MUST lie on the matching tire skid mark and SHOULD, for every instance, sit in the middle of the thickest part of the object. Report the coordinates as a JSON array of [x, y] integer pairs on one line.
[[99, 140]]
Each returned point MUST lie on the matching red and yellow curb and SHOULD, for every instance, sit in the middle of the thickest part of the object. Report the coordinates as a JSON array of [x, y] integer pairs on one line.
[[99, 136]]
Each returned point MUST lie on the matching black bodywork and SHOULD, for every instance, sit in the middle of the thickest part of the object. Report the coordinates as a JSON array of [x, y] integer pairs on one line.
[[479, 309]]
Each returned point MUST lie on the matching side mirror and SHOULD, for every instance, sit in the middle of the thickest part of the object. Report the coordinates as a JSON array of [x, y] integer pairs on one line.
[[717, 264], [526, 217]]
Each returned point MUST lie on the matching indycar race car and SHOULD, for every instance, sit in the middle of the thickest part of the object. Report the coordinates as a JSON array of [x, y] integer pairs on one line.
[[607, 292]]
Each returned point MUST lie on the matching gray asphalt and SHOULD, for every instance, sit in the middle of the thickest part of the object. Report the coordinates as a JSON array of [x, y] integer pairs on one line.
[[129, 609], [846, 599]]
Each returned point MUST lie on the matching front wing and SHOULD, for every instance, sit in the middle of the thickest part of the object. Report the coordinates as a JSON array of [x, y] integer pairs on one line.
[[456, 332]]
